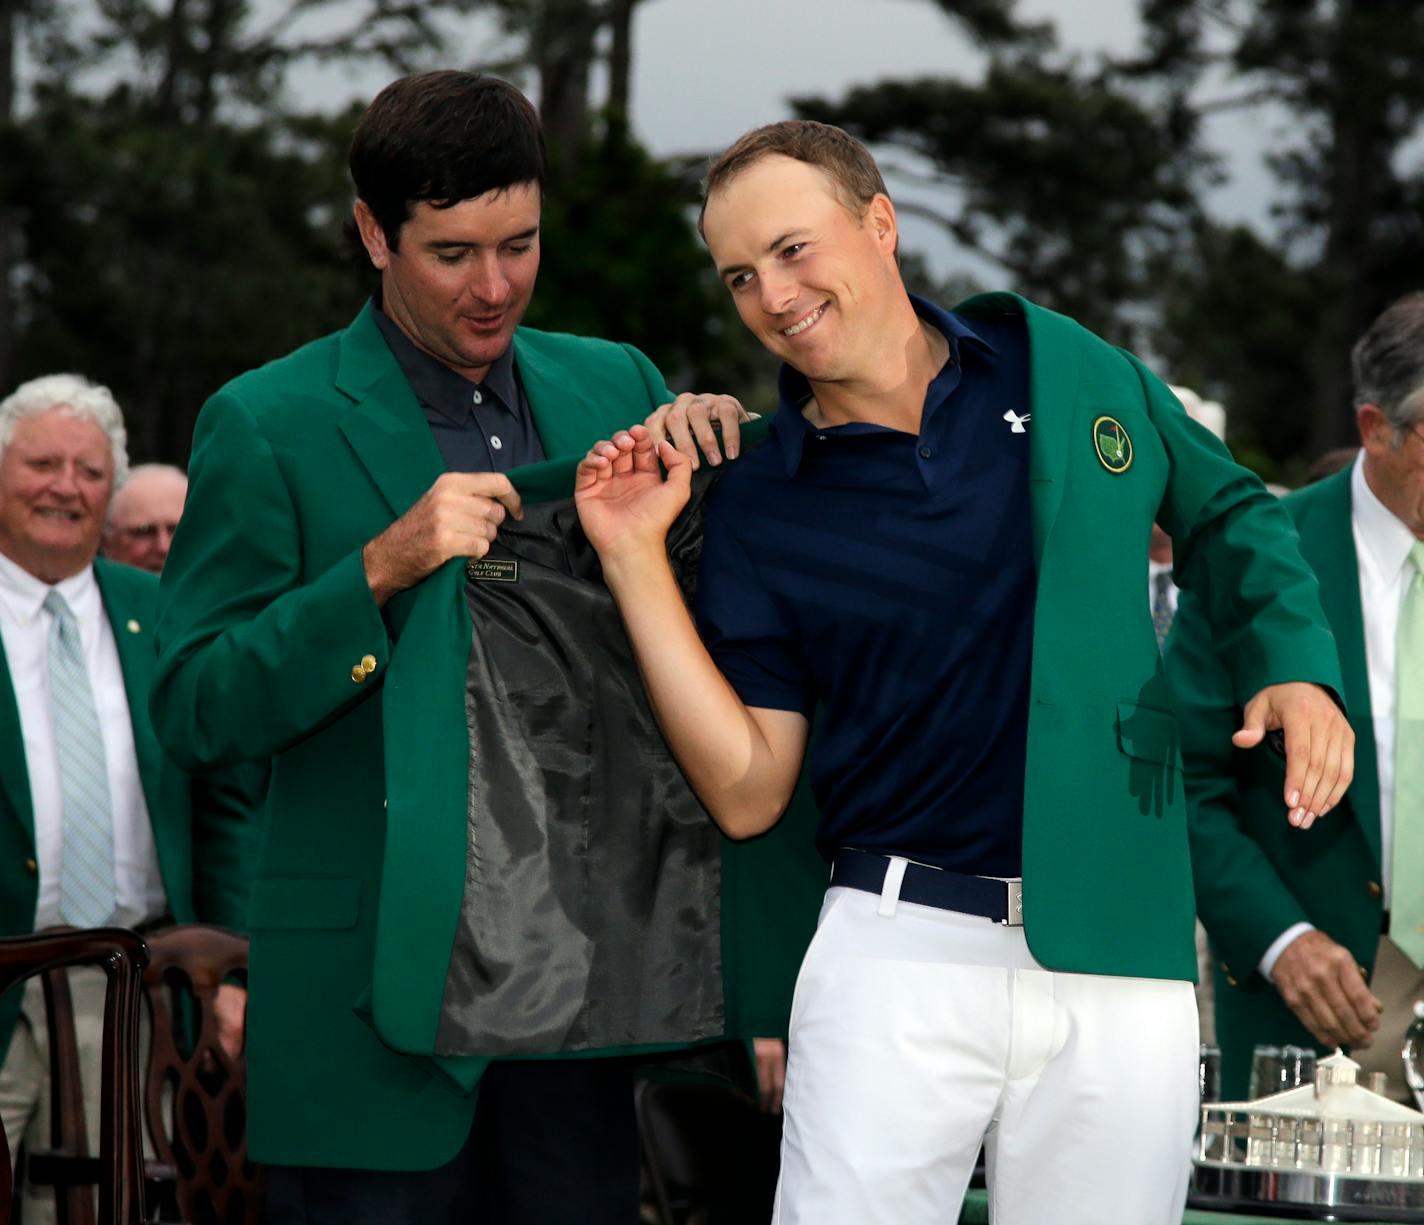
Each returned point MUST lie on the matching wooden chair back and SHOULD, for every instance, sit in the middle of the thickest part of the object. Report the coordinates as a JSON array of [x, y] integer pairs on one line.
[[195, 1095], [122, 956]]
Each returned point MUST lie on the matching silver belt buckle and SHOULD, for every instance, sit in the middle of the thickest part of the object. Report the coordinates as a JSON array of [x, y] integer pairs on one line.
[[1015, 899]]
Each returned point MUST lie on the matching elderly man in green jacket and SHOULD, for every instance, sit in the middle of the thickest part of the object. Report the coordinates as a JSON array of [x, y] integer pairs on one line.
[[98, 824], [1321, 937]]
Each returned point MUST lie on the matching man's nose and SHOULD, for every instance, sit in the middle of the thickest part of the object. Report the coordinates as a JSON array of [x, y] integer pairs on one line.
[[778, 291], [488, 283]]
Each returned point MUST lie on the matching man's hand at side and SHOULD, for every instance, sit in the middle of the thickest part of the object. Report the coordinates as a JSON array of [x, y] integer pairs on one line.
[[1320, 745], [457, 516], [771, 1072], [230, 1016], [1321, 983], [687, 423]]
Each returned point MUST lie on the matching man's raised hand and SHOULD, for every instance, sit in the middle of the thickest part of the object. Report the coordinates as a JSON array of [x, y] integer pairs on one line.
[[457, 516], [624, 504]]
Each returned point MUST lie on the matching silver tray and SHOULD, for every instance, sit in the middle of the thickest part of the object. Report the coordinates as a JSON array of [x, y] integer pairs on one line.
[[1322, 1196]]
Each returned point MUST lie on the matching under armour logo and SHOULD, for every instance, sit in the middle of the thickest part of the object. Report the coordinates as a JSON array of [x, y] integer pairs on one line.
[[1016, 422]]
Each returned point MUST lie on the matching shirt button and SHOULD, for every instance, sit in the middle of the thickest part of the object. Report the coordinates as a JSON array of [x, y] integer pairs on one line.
[[476, 397], [925, 453], [820, 438], [495, 442]]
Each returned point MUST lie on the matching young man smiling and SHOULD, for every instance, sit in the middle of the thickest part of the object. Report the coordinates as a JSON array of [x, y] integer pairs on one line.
[[938, 553]]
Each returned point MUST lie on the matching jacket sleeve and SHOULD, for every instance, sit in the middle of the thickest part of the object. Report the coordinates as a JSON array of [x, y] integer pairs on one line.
[[1236, 549], [254, 654], [227, 806], [1241, 899]]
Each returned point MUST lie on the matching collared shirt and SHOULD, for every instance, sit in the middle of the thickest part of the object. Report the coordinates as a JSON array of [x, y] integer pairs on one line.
[[1382, 545], [25, 629], [887, 579], [479, 427]]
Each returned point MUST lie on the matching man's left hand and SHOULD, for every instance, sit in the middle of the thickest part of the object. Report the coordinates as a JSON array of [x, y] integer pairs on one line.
[[1320, 745], [230, 1015]]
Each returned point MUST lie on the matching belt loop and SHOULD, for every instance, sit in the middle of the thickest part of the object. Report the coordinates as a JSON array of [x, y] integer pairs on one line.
[[890, 890]]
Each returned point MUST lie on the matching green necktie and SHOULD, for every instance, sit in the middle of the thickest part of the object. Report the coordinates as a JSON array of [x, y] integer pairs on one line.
[[1406, 902]]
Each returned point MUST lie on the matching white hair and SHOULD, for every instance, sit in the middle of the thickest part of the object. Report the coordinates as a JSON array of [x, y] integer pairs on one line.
[[78, 397]]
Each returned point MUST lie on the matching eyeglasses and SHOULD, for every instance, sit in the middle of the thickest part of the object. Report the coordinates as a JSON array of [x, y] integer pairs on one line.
[[147, 531]]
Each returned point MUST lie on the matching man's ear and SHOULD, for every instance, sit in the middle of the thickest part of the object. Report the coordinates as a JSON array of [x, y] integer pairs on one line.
[[883, 223], [1376, 433], [373, 237]]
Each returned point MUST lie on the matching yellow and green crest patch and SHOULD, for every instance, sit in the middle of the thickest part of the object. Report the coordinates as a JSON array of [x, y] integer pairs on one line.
[[1112, 444]]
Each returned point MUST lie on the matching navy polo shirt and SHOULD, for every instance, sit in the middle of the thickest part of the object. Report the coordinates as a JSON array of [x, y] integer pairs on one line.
[[888, 580]]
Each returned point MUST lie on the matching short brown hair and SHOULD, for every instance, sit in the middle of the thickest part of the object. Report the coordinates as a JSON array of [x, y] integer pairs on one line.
[[845, 160], [442, 137]]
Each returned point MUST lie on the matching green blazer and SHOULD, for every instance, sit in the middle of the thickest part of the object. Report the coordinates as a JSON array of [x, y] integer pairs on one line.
[[1107, 880], [266, 614], [204, 828], [1255, 875], [265, 623]]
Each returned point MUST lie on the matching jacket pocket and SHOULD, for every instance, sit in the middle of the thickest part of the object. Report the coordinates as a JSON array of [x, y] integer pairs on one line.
[[1148, 734], [310, 903]]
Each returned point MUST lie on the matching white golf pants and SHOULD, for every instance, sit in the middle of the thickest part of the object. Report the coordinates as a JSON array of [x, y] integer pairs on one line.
[[917, 1034]]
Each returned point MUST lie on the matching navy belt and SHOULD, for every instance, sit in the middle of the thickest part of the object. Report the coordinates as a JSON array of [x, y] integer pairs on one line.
[[1001, 901]]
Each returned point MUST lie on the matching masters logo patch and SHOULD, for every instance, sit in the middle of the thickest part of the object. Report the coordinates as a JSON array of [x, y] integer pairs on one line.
[[1112, 444], [493, 570]]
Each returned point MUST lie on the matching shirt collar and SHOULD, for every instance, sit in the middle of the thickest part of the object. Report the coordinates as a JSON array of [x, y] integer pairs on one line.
[[1385, 538], [433, 382], [24, 595], [791, 429]]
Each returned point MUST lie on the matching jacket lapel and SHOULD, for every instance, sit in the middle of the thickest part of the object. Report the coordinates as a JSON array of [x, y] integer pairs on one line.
[[133, 636], [1327, 541], [14, 775], [562, 412], [1055, 362], [386, 427]]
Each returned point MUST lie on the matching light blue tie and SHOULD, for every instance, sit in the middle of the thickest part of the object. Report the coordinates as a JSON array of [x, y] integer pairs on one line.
[[86, 878], [1406, 894]]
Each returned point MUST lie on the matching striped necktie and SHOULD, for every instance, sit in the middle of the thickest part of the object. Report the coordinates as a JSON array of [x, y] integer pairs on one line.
[[1406, 900], [86, 878]]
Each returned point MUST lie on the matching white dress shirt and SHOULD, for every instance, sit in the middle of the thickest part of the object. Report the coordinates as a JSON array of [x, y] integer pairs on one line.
[[1382, 545], [24, 630]]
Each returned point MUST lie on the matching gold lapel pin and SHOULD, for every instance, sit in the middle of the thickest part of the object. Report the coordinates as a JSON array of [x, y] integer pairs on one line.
[[133, 626]]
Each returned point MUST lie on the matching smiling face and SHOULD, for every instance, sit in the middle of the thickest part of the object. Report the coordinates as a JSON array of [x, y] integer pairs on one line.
[[462, 277], [813, 282], [56, 476]]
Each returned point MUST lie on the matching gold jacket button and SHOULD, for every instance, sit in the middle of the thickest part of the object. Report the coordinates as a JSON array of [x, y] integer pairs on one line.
[[358, 674], [31, 866], [1374, 889], [1231, 982], [368, 662]]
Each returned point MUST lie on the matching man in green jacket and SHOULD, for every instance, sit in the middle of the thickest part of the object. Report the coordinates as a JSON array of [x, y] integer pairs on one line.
[[938, 554], [98, 824], [1319, 936], [314, 612]]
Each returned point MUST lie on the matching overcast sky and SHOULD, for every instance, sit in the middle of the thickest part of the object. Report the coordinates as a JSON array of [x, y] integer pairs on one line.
[[707, 70]]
